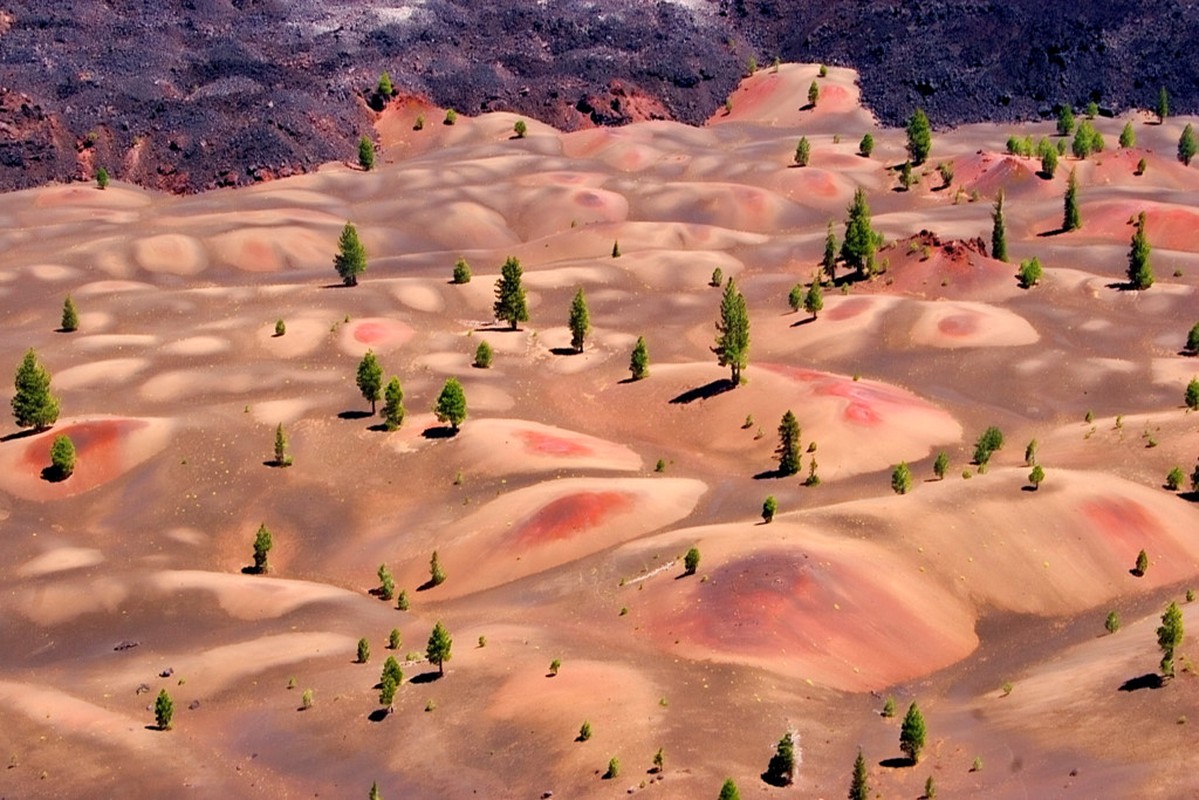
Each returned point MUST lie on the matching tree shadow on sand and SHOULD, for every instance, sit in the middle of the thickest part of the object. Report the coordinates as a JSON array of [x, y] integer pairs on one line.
[[54, 475], [18, 435], [425, 677], [439, 432], [802, 322], [1150, 680], [899, 762], [354, 414], [708, 390], [564, 351], [378, 715]]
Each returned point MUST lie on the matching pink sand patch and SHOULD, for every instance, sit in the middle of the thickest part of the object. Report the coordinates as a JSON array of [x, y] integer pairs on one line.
[[849, 309], [95, 444], [548, 445], [861, 414], [375, 333], [959, 325], [1122, 522], [568, 516]]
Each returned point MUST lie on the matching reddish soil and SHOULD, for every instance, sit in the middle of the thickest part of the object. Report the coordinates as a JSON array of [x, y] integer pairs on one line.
[[570, 516], [959, 325], [548, 445]]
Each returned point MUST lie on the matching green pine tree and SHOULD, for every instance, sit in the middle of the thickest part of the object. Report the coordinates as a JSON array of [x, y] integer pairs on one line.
[[912, 733], [1187, 145], [1072, 217], [998, 231], [732, 341], [639, 360], [1140, 273], [393, 405], [860, 242], [451, 404], [920, 137], [510, 305], [164, 710], [579, 321], [366, 153], [803, 151], [1163, 105], [62, 457], [263, 542], [33, 406], [70, 316], [829, 262], [439, 646], [859, 785], [813, 301], [350, 260], [1128, 137], [370, 379]]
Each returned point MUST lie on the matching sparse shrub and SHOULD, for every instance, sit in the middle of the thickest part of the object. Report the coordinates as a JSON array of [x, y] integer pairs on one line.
[[1030, 453], [901, 479], [930, 788], [1036, 476], [866, 146], [387, 584], [62, 457], [613, 768], [1190, 595], [1128, 137], [555, 665], [813, 94], [990, 441], [366, 153], [520, 129], [70, 316], [394, 639], [1142, 564], [659, 760], [364, 651], [1007, 688], [482, 642], [402, 600], [483, 355], [823, 71], [436, 573], [717, 278], [977, 765], [280, 327], [419, 123], [1112, 623], [769, 507], [102, 178], [584, 732], [616, 249], [941, 465], [639, 360], [888, 708], [660, 466], [164, 710], [263, 542], [306, 699], [1141, 167], [461, 271], [803, 151], [1191, 396], [451, 116], [945, 168], [729, 791], [691, 561], [1030, 272]]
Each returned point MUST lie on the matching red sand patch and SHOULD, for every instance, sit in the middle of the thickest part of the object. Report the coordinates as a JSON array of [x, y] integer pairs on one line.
[[569, 516], [861, 414], [1122, 522], [379, 334], [548, 445], [97, 448], [371, 332], [959, 325]]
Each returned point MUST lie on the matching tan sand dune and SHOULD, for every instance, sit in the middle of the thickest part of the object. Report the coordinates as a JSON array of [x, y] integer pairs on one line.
[[248, 597], [502, 446], [61, 559], [172, 253], [272, 249], [98, 373], [380, 334], [961, 324]]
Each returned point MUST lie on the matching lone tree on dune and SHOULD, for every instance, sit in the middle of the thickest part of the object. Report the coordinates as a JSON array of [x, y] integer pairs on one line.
[[1128, 137], [732, 340], [1174, 478], [691, 561], [998, 231], [866, 146], [366, 153], [795, 297], [829, 262], [1142, 565], [370, 379], [770, 507], [451, 404], [579, 321], [813, 301], [101, 178], [912, 733], [1036, 476], [263, 543], [1191, 395], [33, 406], [901, 478], [859, 785], [70, 317], [788, 449], [861, 242], [375, 794], [1140, 273], [781, 769], [393, 404], [164, 709], [438, 649], [1030, 272], [906, 179], [1169, 636], [521, 129], [436, 573], [62, 457], [1187, 145], [729, 790], [813, 94], [1072, 216], [350, 260], [282, 459], [1192, 346], [483, 355], [990, 441], [387, 692], [384, 88], [510, 305], [941, 465], [1049, 163], [920, 137], [364, 651], [461, 271], [803, 152], [639, 360], [1163, 105]]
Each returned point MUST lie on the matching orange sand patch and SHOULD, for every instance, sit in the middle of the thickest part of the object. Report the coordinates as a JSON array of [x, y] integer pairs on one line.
[[570, 516], [987, 173], [962, 324], [1168, 227], [172, 253], [379, 334], [105, 448]]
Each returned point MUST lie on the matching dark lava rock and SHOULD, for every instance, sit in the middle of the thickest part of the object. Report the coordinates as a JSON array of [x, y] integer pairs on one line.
[[185, 95]]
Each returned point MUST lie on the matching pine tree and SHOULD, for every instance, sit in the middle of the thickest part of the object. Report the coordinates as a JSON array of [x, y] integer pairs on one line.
[[861, 242], [521, 129], [1192, 345], [1030, 272], [1163, 105], [781, 769], [384, 87], [451, 404], [788, 449], [438, 649], [1187, 145], [859, 786], [691, 561], [732, 341], [370, 378], [829, 262], [1049, 163], [263, 542], [906, 179], [436, 573], [510, 303], [1140, 273], [164, 710], [769, 507], [866, 146], [639, 360], [70, 317], [1169, 636], [393, 404], [375, 794], [33, 406], [62, 457], [901, 478], [102, 178], [912, 733], [1065, 121], [282, 459], [998, 231], [366, 153], [1191, 396], [813, 94], [461, 271], [1072, 218], [350, 260], [803, 151], [729, 790], [579, 321], [941, 465], [1128, 137], [813, 301], [364, 651], [795, 297], [1036, 476], [483, 355], [920, 137]]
